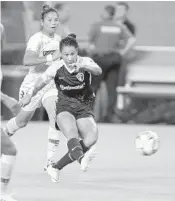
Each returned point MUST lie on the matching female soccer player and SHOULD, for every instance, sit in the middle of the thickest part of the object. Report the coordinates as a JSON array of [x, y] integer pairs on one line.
[[8, 149], [72, 75], [42, 49]]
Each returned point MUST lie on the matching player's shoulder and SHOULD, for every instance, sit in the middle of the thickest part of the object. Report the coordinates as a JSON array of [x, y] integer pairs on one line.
[[57, 37], [85, 59], [36, 37], [58, 64]]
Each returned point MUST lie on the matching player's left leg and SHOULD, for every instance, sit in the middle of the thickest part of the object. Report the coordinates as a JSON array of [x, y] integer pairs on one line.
[[89, 133], [8, 156], [49, 103]]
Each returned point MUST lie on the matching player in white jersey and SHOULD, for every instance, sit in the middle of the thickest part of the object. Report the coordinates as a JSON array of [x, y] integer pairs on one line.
[[42, 49]]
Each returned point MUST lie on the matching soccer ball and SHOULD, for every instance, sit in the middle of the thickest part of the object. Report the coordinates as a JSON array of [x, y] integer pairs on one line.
[[147, 143]]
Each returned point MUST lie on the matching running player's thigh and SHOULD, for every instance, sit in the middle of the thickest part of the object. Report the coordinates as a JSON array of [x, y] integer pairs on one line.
[[6, 143], [67, 124], [87, 126], [23, 117], [49, 104]]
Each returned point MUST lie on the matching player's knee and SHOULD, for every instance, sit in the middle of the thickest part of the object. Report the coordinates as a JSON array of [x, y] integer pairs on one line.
[[91, 139], [13, 150], [22, 123], [10, 149], [71, 133]]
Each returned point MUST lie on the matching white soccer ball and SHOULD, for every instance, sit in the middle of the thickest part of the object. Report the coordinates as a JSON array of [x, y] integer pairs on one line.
[[147, 143]]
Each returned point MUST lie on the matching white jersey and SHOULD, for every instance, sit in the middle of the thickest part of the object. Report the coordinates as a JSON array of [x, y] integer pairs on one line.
[[43, 45]]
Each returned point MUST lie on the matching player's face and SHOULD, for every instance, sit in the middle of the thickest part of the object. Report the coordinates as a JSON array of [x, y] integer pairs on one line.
[[50, 23], [121, 12], [69, 54], [104, 14]]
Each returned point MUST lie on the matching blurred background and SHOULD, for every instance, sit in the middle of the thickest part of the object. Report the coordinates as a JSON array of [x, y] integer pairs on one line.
[[144, 81]]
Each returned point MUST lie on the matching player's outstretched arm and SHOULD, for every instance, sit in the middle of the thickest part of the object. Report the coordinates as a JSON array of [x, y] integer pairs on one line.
[[94, 69], [131, 40]]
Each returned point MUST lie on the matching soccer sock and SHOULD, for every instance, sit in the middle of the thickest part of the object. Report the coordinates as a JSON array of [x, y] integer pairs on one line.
[[11, 127], [75, 149], [7, 162], [85, 149], [65, 160], [53, 141]]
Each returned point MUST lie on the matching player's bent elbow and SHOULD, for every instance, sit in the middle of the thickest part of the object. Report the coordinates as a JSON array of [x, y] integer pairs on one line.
[[10, 149], [132, 40], [27, 61], [99, 71]]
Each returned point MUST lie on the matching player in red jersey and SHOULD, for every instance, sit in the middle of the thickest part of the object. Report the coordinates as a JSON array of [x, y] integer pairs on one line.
[[72, 75]]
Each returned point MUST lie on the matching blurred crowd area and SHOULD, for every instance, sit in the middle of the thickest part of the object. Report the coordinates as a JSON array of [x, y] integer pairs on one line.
[[22, 19]]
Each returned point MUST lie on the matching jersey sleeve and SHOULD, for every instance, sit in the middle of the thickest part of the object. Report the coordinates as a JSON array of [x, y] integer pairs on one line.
[[34, 43], [89, 62], [50, 73]]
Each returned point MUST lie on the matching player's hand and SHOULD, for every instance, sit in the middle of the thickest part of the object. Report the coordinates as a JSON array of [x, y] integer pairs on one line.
[[25, 100], [78, 67]]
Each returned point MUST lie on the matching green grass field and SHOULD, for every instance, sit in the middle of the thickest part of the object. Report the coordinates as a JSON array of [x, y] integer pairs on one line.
[[119, 173]]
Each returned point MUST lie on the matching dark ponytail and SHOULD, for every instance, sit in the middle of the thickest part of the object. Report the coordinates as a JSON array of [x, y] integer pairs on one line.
[[72, 36], [70, 40], [47, 9]]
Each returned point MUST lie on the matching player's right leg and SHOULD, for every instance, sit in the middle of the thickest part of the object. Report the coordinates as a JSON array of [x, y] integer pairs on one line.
[[89, 133], [8, 156]]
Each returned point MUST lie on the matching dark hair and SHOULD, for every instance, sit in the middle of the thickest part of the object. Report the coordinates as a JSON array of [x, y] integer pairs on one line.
[[70, 40], [110, 9], [59, 6], [123, 3], [47, 9]]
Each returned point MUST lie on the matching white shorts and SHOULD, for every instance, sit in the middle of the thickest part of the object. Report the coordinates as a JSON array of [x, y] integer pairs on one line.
[[45, 92]]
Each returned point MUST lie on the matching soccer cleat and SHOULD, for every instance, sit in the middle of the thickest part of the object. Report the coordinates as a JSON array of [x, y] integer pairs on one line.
[[7, 198], [87, 158], [54, 173], [49, 162]]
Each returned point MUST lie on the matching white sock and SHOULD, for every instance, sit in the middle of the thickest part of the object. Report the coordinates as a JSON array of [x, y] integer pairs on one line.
[[7, 162], [53, 141], [11, 126]]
